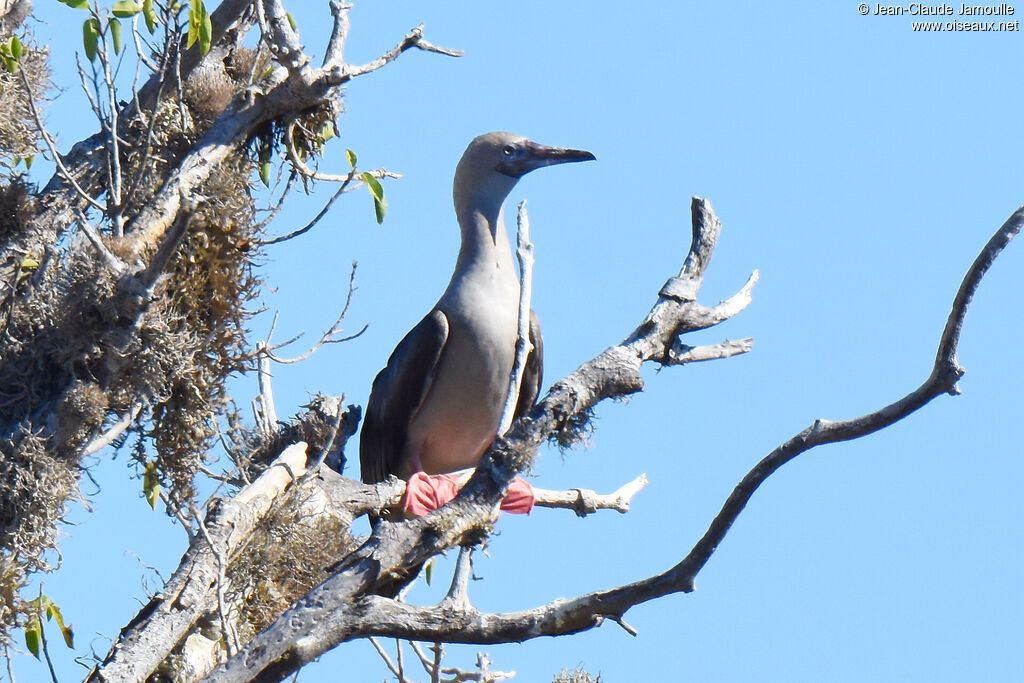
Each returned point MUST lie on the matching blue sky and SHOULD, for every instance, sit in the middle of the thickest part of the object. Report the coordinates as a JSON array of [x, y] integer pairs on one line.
[[859, 165]]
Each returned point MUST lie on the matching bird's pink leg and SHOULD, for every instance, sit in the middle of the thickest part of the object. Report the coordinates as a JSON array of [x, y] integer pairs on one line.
[[426, 492]]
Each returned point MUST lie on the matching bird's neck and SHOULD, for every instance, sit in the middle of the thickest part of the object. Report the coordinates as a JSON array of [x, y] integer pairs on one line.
[[485, 248]]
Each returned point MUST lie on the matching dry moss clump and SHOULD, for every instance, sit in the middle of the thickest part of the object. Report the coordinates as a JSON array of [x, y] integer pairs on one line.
[[194, 336], [76, 355], [19, 137], [33, 489], [288, 556]]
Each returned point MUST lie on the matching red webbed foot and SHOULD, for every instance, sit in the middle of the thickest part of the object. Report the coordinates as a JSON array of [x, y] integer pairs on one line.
[[426, 492]]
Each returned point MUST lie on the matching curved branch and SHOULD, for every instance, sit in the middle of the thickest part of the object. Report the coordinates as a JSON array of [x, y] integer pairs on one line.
[[336, 611], [570, 616], [317, 623]]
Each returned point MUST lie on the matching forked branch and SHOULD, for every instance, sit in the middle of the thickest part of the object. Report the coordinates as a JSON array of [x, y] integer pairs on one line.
[[344, 607]]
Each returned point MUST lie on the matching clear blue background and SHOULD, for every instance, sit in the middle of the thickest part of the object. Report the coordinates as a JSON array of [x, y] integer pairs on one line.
[[858, 164]]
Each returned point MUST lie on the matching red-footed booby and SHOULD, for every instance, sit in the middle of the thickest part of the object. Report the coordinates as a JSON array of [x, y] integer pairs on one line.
[[435, 408]]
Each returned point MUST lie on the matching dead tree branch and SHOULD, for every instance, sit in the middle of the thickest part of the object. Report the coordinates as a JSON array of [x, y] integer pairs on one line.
[[344, 607], [323, 619], [524, 253], [585, 501]]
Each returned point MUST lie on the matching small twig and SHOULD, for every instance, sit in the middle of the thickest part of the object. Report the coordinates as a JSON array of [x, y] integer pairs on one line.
[[303, 169], [327, 337], [626, 626], [388, 662], [309, 226], [438, 649], [524, 252], [483, 673], [586, 501], [178, 86], [307, 172], [147, 146], [178, 515], [42, 635], [267, 417], [145, 586], [230, 636], [111, 260], [289, 184], [458, 592], [115, 180], [413, 39], [138, 46], [313, 467], [400, 659], [169, 244], [61, 168], [115, 430], [422, 656], [10, 670], [93, 103], [681, 353]]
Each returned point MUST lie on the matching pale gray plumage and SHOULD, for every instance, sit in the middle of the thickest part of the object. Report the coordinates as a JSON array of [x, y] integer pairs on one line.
[[436, 405]]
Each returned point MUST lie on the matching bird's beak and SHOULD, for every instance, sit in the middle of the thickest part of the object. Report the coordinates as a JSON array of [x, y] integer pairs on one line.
[[535, 156]]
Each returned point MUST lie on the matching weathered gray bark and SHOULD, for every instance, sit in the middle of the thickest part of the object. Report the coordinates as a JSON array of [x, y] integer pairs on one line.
[[345, 606]]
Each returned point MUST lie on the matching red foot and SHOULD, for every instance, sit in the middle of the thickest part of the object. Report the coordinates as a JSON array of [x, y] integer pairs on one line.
[[424, 493]]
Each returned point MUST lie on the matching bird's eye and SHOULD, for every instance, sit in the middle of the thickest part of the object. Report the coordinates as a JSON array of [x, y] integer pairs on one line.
[[509, 150]]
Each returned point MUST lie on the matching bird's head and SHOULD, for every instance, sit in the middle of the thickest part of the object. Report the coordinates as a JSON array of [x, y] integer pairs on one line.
[[493, 163]]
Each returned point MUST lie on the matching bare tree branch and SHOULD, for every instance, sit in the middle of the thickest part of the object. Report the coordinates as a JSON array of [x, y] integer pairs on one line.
[[322, 620], [342, 73], [330, 336], [587, 611], [190, 591], [585, 501], [524, 252], [115, 430], [344, 606]]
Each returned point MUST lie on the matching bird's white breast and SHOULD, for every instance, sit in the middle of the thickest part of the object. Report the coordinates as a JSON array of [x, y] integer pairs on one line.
[[460, 414]]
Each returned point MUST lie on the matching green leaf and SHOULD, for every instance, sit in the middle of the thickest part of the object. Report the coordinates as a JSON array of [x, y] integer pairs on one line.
[[291, 21], [428, 571], [28, 263], [90, 34], [115, 35], [205, 33], [351, 156], [195, 20], [32, 633], [76, 4], [265, 172], [264, 152], [126, 9], [16, 48], [11, 64], [379, 205], [53, 612], [149, 14], [151, 485], [28, 161], [200, 28]]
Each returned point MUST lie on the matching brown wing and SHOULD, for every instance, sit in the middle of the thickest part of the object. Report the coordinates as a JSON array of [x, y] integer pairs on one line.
[[533, 374], [397, 394]]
